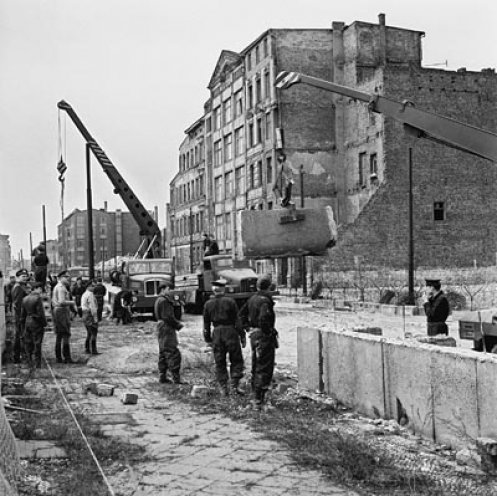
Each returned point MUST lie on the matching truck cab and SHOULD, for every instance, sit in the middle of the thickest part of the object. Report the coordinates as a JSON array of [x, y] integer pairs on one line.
[[143, 277]]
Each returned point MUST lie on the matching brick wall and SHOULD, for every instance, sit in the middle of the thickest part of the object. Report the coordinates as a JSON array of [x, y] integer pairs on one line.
[[463, 182], [306, 113]]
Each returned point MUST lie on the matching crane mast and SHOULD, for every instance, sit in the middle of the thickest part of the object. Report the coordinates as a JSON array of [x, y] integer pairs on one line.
[[146, 223]]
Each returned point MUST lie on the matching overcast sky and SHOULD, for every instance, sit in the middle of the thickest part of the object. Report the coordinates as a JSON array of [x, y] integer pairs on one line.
[[136, 72]]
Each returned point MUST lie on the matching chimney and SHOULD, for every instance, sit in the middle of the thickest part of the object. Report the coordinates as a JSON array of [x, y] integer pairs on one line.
[[156, 214], [105, 206], [383, 39]]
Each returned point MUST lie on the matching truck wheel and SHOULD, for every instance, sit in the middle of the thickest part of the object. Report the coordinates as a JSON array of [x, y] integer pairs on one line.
[[177, 312]]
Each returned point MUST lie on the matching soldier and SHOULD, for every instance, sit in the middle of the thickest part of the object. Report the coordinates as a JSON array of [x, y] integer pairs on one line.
[[100, 291], [436, 308], [258, 315], [19, 291], [167, 325], [89, 310], [8, 293], [62, 305], [34, 323], [221, 312]]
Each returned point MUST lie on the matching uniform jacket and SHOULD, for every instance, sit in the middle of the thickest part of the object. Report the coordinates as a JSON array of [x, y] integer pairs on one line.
[[18, 294], [220, 311], [32, 310], [89, 307], [437, 308], [167, 324], [250, 312]]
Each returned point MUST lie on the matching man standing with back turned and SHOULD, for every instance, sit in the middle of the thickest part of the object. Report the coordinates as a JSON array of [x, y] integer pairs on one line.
[[258, 315], [222, 313]]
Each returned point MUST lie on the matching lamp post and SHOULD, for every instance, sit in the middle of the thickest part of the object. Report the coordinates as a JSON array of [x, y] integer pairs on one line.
[[411, 298], [304, 265]]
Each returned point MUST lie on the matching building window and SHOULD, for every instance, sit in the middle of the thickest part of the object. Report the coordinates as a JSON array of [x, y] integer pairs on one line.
[[227, 110], [259, 130], [217, 118], [217, 152], [228, 147], [264, 48], [201, 185], [362, 168], [258, 90], [219, 227], [227, 225], [239, 141], [269, 170], [373, 164], [251, 178], [228, 184], [257, 54], [439, 211], [250, 99], [239, 180], [218, 188], [270, 205], [267, 88], [208, 125], [238, 103], [250, 135], [249, 61], [269, 126], [258, 174]]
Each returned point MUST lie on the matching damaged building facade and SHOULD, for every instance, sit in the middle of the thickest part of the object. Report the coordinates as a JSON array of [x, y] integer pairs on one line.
[[346, 156]]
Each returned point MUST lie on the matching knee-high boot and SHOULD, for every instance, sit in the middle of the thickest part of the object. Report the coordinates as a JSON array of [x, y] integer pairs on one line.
[[67, 353], [58, 349]]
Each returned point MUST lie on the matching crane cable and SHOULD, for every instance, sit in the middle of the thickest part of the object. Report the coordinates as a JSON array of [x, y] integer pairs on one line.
[[61, 164]]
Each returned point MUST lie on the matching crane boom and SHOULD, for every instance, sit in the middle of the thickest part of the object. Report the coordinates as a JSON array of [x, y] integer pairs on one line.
[[146, 223], [426, 124]]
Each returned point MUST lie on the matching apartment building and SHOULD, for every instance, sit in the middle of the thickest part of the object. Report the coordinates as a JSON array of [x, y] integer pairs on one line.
[[5, 254], [347, 157], [114, 234], [186, 210]]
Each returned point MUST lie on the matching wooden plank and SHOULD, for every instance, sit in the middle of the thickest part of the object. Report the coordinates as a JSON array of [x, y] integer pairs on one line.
[[283, 232]]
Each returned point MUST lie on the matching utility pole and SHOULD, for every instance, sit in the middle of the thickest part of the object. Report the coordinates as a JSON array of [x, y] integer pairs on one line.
[[411, 233], [304, 265], [89, 208], [44, 225], [191, 241]]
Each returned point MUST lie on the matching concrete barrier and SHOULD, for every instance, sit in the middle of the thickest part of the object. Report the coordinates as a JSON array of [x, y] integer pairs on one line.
[[308, 358], [408, 392], [446, 394], [353, 371]]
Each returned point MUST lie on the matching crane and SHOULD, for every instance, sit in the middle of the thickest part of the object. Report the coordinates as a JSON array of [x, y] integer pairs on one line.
[[422, 123], [146, 223]]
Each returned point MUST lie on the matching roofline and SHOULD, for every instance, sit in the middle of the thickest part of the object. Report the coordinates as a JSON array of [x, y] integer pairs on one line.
[[387, 26], [196, 124]]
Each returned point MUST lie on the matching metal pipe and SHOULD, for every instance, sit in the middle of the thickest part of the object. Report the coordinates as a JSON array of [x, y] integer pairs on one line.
[[304, 265]]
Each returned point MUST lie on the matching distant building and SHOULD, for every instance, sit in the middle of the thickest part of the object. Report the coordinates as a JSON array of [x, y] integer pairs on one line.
[[114, 234], [5, 254]]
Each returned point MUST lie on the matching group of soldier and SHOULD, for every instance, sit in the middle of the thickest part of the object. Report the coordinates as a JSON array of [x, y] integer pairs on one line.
[[24, 298], [225, 329]]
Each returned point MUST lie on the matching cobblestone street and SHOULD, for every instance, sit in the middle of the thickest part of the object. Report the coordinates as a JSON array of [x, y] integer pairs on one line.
[[189, 452]]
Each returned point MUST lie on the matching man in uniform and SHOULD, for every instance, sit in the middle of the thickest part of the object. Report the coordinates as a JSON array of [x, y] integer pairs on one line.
[[436, 308], [100, 291], [19, 291], [89, 311], [8, 293], [167, 325], [258, 315], [62, 305], [34, 323], [222, 313]]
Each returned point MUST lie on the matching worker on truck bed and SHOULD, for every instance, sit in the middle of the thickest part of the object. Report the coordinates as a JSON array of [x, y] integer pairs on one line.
[[436, 308], [221, 312], [210, 246]]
